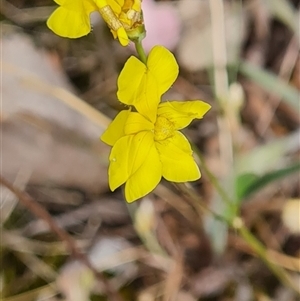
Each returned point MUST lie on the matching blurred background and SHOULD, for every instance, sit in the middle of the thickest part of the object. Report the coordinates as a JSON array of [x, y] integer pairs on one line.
[[58, 96]]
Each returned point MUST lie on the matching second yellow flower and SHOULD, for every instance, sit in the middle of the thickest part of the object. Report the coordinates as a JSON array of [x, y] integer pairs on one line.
[[72, 18]]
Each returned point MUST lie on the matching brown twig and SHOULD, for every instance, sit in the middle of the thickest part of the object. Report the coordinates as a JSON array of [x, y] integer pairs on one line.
[[40, 212]]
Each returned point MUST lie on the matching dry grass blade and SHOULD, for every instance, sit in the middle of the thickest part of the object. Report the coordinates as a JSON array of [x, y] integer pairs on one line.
[[14, 240], [24, 17], [33, 294], [288, 262], [74, 102], [37, 266], [39, 211], [9, 200], [115, 210], [173, 281]]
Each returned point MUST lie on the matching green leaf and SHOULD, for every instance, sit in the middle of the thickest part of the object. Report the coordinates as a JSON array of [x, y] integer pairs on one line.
[[271, 83], [267, 157], [243, 182], [283, 10], [217, 230], [250, 183]]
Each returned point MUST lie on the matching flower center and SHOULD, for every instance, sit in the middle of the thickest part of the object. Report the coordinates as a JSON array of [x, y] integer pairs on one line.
[[163, 128]]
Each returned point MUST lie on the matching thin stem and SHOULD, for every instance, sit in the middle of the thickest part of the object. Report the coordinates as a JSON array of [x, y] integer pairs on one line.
[[212, 178], [195, 202], [39, 211], [141, 52], [261, 251], [238, 225]]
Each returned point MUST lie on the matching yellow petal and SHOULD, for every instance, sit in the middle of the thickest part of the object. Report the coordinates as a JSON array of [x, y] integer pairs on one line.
[[79, 5], [59, 2], [136, 5], [116, 6], [127, 156], [181, 113], [137, 123], [122, 36], [139, 149], [116, 129], [69, 24], [130, 79], [146, 178], [118, 168], [178, 164], [101, 3], [139, 88], [147, 99], [162, 64]]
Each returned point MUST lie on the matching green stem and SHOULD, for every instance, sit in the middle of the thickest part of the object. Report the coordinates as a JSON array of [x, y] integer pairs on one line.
[[195, 202], [238, 225], [213, 179], [219, 188], [141, 52], [261, 251]]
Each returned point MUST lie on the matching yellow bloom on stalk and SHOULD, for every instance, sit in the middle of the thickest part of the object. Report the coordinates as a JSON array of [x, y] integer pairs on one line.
[[147, 144], [72, 18]]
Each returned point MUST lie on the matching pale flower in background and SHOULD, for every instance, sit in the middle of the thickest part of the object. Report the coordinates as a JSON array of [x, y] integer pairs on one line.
[[291, 215], [163, 24]]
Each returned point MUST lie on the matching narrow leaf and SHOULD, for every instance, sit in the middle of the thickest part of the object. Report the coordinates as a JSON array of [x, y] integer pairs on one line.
[[253, 183], [271, 83]]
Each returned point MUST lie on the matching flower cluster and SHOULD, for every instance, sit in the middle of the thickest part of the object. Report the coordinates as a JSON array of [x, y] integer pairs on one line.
[[72, 18], [146, 142]]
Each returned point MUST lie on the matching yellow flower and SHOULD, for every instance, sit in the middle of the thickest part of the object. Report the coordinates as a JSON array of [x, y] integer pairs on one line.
[[147, 144], [72, 18]]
